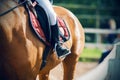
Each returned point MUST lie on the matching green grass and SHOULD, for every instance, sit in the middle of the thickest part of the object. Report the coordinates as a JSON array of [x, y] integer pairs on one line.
[[90, 54]]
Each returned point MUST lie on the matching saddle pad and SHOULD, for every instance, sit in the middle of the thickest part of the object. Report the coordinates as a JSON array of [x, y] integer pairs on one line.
[[64, 32], [38, 29], [37, 26], [64, 35]]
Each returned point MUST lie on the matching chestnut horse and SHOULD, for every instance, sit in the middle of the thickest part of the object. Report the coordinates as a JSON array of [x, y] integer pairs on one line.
[[21, 52]]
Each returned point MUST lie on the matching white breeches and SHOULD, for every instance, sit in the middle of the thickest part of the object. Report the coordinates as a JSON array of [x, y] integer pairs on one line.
[[46, 5]]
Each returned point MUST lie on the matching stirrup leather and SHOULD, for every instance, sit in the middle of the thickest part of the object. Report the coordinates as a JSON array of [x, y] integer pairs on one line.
[[31, 6]]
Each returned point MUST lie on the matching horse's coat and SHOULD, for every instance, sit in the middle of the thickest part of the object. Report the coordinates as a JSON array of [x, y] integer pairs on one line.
[[21, 52]]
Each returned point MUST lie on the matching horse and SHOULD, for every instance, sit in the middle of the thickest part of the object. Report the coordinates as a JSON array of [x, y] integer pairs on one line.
[[21, 52]]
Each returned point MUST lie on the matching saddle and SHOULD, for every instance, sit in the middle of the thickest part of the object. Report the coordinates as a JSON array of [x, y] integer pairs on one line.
[[40, 25]]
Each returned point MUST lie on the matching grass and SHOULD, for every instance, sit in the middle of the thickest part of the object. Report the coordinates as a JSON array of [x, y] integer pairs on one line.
[[90, 54]]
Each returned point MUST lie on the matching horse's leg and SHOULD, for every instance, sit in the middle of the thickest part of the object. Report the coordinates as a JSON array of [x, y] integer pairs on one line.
[[44, 76], [69, 66]]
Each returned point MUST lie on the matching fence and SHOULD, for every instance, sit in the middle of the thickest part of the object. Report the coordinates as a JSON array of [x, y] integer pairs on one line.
[[98, 37]]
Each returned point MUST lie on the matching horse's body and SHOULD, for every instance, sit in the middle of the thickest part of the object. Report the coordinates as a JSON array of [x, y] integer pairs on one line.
[[21, 52]]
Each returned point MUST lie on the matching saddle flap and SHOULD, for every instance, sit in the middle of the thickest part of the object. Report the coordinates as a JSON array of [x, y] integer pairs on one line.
[[64, 32]]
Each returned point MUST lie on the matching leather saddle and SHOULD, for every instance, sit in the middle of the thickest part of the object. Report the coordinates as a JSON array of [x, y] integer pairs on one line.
[[40, 25]]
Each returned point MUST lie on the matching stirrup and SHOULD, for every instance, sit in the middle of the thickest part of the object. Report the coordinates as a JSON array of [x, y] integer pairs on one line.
[[61, 55]]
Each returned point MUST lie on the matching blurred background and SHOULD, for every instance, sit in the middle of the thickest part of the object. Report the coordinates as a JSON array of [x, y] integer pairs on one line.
[[99, 18], [101, 22]]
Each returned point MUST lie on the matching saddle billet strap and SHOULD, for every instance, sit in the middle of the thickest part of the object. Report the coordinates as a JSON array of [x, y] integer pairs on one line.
[[11, 9], [32, 5]]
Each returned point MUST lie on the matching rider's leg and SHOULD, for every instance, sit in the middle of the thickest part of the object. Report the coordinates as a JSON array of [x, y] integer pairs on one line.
[[61, 51], [53, 21], [46, 5]]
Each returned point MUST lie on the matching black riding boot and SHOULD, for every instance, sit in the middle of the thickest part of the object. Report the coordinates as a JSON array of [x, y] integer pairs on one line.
[[61, 52]]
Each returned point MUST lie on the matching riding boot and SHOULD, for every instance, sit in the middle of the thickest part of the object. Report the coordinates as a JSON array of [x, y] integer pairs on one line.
[[61, 51]]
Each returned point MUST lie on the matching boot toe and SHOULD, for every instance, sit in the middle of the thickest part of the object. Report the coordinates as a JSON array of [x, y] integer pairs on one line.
[[63, 53]]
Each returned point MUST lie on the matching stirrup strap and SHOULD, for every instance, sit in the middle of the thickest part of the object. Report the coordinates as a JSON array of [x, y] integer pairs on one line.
[[32, 5], [45, 55]]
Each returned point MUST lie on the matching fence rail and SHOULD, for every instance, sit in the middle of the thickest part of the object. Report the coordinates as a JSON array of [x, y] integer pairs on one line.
[[101, 31], [98, 36], [86, 16]]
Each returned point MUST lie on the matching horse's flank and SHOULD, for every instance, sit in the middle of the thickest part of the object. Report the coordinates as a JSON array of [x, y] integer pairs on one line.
[[18, 47], [21, 52]]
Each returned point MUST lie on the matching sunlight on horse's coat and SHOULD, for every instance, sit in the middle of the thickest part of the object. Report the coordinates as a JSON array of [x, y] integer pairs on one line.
[[21, 51]]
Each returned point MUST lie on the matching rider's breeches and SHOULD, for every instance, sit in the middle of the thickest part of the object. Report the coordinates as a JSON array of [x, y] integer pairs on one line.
[[46, 5]]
